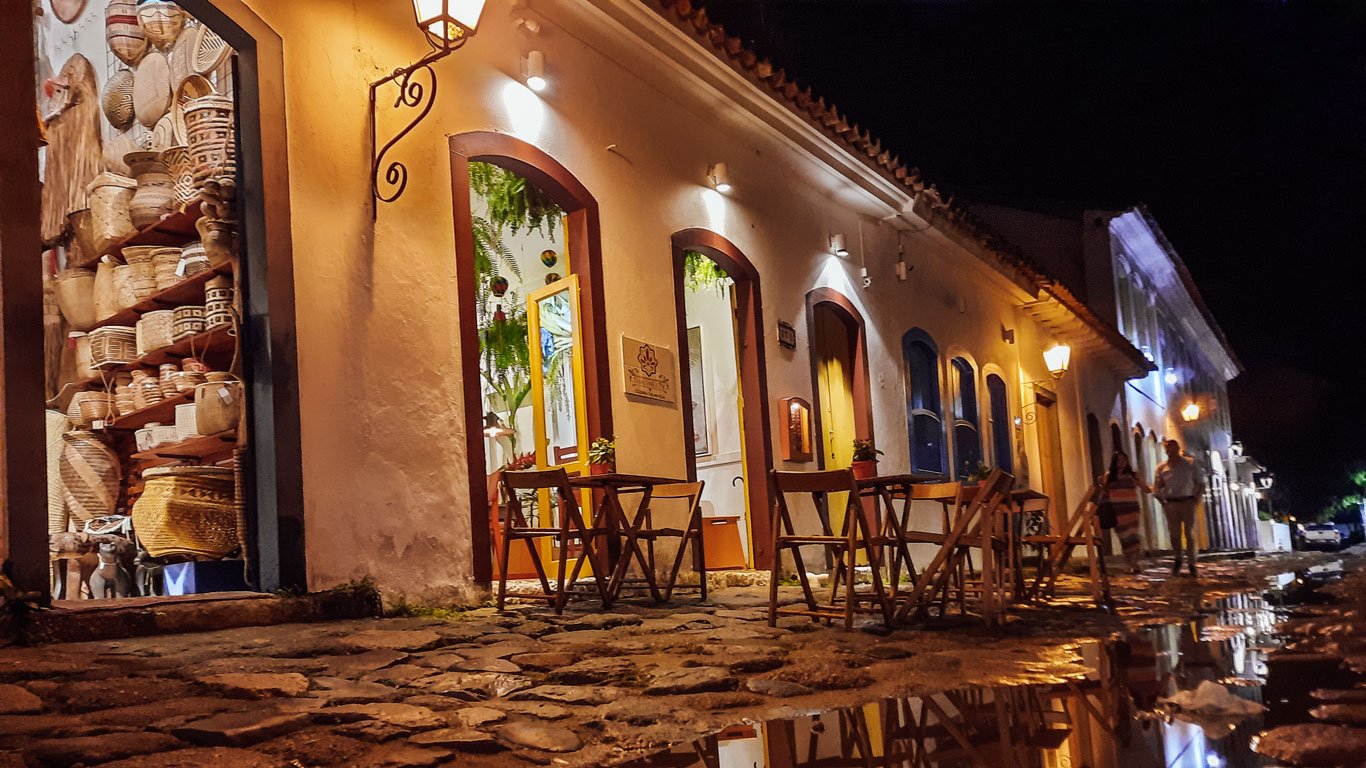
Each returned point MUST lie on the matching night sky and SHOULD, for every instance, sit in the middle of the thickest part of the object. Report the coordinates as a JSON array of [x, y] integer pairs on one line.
[[1241, 125]]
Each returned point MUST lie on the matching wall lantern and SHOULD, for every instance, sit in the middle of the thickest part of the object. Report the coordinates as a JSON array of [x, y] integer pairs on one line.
[[447, 25], [719, 178], [1170, 376], [1191, 411], [1057, 357], [838, 245], [533, 71]]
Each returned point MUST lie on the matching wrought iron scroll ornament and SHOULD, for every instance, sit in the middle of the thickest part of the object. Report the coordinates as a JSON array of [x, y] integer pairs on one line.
[[416, 85]]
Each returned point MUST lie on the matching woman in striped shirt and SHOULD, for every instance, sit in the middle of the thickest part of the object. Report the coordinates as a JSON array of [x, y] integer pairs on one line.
[[1119, 507]]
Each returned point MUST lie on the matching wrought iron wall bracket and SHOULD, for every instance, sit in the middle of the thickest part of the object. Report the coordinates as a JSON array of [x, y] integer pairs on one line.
[[416, 85]]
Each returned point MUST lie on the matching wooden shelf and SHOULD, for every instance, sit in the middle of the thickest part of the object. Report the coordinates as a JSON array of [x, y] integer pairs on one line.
[[161, 413], [176, 229], [216, 343], [187, 291], [194, 449]]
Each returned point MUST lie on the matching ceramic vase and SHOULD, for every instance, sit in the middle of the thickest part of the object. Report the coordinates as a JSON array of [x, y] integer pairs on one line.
[[156, 195]]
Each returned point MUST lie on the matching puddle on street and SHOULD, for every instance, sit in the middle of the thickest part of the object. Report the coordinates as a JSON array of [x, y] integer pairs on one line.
[[1123, 713]]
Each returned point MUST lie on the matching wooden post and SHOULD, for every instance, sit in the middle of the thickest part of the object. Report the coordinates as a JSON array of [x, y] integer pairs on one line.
[[23, 482]]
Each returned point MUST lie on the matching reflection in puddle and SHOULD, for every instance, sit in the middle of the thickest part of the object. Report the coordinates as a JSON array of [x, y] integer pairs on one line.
[[1122, 713]]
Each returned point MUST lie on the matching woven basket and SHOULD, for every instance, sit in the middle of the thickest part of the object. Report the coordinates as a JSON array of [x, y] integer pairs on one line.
[[193, 259], [123, 33], [189, 321], [89, 407], [211, 138], [109, 195], [187, 511], [162, 20], [76, 297], [84, 365], [155, 330], [90, 476], [113, 345], [118, 99], [125, 294], [218, 406], [186, 424], [106, 295], [177, 159], [58, 517]]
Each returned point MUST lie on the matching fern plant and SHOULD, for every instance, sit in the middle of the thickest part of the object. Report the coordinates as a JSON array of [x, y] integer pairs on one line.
[[513, 202], [700, 272]]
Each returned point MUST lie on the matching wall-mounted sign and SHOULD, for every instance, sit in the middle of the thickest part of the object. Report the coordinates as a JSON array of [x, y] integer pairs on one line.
[[648, 370], [796, 416], [787, 335]]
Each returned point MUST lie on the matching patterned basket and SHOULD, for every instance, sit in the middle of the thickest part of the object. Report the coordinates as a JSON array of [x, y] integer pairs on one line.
[[113, 345], [189, 321], [218, 406], [155, 330], [89, 407], [211, 138], [123, 33], [76, 297], [118, 99], [90, 476], [58, 517], [187, 511]]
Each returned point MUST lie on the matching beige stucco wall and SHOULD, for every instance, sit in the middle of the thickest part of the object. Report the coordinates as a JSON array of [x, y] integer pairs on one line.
[[378, 357]]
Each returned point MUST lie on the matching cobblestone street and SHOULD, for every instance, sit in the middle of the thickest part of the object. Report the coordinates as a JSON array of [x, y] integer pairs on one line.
[[478, 688]]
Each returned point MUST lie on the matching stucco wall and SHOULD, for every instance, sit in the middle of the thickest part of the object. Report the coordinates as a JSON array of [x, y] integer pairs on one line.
[[378, 345]]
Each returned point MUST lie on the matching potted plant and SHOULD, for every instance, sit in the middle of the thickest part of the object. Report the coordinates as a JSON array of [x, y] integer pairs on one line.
[[602, 456], [865, 459]]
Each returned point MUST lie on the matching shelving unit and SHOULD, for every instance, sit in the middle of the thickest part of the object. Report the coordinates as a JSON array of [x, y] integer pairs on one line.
[[187, 291], [176, 229], [194, 449], [161, 413]]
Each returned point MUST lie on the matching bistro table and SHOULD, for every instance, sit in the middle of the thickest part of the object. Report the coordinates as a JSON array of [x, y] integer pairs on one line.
[[623, 532], [1017, 527], [884, 490]]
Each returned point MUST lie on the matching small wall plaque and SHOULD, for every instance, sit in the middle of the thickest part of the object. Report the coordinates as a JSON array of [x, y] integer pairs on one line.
[[648, 370], [787, 335], [796, 415]]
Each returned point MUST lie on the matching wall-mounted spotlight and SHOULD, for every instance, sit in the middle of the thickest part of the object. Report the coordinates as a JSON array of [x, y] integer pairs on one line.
[[1170, 376], [838, 245], [533, 71], [1191, 411], [719, 178]]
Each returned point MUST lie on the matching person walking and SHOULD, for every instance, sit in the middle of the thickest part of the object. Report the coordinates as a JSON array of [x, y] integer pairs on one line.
[[1119, 507], [1179, 487]]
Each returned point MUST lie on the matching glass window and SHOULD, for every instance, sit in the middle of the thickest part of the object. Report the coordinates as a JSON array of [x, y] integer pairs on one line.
[[967, 438], [1000, 423], [923, 420]]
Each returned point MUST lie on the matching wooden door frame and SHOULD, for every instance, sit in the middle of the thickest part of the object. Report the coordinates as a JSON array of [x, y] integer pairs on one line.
[[845, 310], [584, 245], [275, 523], [753, 374]]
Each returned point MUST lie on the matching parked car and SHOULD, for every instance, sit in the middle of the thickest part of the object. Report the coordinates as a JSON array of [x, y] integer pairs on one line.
[[1321, 536]]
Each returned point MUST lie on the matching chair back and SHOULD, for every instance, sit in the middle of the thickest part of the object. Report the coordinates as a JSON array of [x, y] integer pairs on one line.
[[819, 484], [555, 481], [944, 493]]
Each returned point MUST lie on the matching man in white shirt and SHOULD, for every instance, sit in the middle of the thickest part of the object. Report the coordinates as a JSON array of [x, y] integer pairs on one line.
[[1179, 486]]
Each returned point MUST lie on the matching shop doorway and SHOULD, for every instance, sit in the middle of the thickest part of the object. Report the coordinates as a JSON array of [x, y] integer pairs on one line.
[[724, 410], [228, 465], [839, 370], [533, 352], [1050, 453]]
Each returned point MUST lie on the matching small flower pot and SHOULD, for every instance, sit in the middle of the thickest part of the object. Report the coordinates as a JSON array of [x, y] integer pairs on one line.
[[864, 470], [601, 469]]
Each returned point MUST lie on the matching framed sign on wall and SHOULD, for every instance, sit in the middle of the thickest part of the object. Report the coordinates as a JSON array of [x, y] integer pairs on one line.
[[796, 414]]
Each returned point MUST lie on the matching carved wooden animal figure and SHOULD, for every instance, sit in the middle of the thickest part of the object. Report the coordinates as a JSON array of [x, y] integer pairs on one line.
[[111, 579]]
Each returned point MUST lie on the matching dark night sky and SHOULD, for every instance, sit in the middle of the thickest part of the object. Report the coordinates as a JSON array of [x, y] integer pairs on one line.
[[1241, 125]]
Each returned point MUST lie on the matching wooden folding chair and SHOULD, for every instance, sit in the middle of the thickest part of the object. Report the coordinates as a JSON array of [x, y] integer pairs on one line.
[[571, 526], [1081, 529], [691, 532], [841, 548], [899, 529], [975, 526]]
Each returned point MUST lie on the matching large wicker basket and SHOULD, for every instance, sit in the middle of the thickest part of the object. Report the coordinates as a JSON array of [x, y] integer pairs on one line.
[[218, 406], [76, 297], [113, 345], [187, 511], [90, 476], [89, 407], [57, 515]]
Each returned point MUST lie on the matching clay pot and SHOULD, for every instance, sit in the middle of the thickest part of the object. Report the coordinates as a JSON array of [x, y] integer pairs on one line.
[[219, 237], [162, 21], [177, 160], [864, 470], [123, 33], [156, 194], [110, 195], [211, 138], [601, 469]]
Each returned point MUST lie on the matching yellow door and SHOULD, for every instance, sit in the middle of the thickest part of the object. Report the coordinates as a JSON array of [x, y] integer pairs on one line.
[[559, 410], [1050, 458], [834, 358]]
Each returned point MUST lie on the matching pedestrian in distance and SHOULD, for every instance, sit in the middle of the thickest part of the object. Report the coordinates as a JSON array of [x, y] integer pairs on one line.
[[1119, 506], [1179, 487]]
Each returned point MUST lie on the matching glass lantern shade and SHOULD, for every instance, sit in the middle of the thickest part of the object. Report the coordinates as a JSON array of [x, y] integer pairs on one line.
[[447, 23], [1057, 357], [1191, 412]]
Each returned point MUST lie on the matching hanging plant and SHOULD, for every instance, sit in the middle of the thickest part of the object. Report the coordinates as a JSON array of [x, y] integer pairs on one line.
[[700, 272], [513, 202]]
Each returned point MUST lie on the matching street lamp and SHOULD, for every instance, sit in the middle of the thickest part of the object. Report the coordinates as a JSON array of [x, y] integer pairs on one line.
[[1191, 411], [1057, 357], [447, 25]]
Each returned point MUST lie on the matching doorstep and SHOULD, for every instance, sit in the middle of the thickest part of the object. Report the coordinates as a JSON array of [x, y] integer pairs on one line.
[[74, 621]]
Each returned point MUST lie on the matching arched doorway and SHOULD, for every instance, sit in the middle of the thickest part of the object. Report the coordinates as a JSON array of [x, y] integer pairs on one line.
[[736, 312], [839, 371], [589, 400]]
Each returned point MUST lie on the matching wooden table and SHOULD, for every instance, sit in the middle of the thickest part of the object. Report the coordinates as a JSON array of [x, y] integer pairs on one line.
[[883, 490], [623, 532]]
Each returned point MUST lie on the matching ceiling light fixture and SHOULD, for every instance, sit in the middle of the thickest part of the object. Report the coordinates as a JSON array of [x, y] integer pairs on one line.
[[533, 71], [838, 246]]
